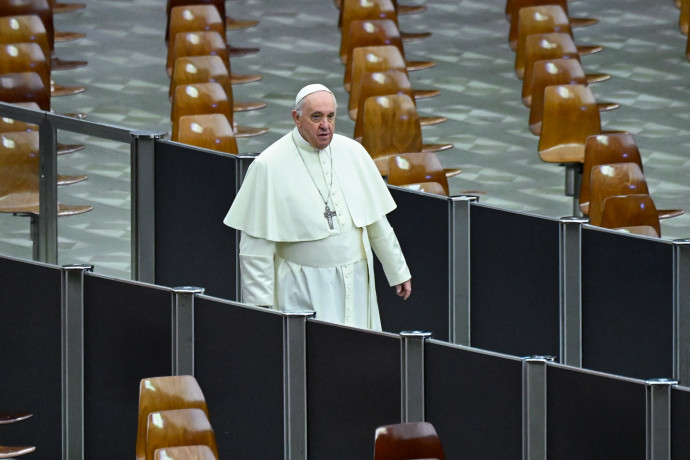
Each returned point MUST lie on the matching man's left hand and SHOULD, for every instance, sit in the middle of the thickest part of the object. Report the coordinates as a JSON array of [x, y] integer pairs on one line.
[[404, 290]]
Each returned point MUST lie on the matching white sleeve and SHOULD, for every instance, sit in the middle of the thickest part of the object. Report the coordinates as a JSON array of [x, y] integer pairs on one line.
[[257, 270], [387, 248]]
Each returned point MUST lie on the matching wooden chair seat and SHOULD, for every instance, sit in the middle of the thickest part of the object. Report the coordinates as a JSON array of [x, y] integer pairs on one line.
[[165, 393], [390, 127], [633, 213], [211, 131], [379, 32], [204, 69], [417, 168], [13, 417], [15, 451], [178, 427], [185, 453], [554, 45], [61, 8], [406, 441], [370, 84], [539, 20], [203, 44]]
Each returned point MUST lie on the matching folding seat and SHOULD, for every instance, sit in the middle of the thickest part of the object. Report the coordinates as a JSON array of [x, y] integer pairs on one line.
[[407, 441], [209, 131], [178, 427], [635, 214], [613, 180], [414, 169]]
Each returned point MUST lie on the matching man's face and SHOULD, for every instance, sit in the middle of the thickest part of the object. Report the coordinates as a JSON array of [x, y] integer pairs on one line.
[[317, 122]]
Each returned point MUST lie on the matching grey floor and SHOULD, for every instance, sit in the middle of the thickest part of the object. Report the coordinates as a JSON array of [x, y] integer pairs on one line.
[[127, 86]]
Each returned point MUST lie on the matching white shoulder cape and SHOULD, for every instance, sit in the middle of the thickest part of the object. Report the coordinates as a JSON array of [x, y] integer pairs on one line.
[[278, 202]]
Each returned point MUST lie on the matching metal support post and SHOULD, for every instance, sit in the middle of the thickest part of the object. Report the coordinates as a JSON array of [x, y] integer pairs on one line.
[[183, 329], [459, 301], [681, 319], [143, 198], [243, 162], [534, 407], [46, 242], [659, 419], [295, 383], [412, 375], [570, 289], [73, 360]]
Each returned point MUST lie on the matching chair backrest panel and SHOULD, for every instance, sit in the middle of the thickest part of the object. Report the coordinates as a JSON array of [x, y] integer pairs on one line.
[[406, 441], [612, 180], [178, 427]]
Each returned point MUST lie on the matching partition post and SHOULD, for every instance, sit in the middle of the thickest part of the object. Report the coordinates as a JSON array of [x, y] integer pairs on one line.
[[73, 360], [183, 329], [295, 383], [412, 375], [459, 303], [659, 418], [570, 287], [534, 407], [46, 248], [243, 162], [143, 197], [681, 300]]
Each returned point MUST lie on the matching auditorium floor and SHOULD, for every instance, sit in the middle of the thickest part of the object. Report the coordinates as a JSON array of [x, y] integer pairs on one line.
[[127, 86]]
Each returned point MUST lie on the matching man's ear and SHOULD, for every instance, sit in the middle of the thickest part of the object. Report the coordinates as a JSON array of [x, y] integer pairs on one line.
[[295, 116]]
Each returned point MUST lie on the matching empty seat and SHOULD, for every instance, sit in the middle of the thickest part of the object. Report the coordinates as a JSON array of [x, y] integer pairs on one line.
[[13, 417], [212, 131], [613, 180], [417, 168], [406, 441], [231, 23], [178, 427], [15, 451], [24, 87], [632, 213]]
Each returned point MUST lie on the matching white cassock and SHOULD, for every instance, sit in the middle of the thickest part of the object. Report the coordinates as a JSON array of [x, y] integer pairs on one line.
[[290, 258]]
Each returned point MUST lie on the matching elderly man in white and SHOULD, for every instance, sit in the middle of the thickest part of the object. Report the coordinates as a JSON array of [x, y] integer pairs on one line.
[[311, 209]]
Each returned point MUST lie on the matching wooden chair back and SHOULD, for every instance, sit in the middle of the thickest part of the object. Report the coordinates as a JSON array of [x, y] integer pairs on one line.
[[513, 8], [417, 168], [549, 73], [538, 20], [185, 453], [371, 59], [372, 32], [372, 84], [25, 57], [8, 125], [198, 99], [612, 180], [635, 213], [189, 70], [405, 441], [170, 4], [602, 149], [540, 47], [166, 393], [358, 10], [570, 115], [198, 44], [196, 18], [178, 427], [24, 87], [209, 131], [40, 8], [390, 127], [24, 28]]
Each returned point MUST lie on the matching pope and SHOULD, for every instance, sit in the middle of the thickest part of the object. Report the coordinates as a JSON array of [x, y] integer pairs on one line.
[[311, 210]]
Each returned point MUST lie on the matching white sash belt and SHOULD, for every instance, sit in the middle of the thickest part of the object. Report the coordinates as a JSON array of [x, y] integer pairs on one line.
[[340, 249]]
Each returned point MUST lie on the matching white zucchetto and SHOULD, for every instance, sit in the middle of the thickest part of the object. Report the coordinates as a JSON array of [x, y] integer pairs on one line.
[[307, 90]]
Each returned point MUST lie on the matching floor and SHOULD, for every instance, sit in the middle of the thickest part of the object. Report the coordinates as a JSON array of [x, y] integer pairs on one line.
[[127, 86]]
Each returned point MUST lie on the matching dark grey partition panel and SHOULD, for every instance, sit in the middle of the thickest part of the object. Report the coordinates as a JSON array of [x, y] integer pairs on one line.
[[590, 415], [474, 400], [194, 189], [239, 366], [514, 282], [627, 305], [421, 224], [127, 337], [680, 422], [30, 354], [353, 386]]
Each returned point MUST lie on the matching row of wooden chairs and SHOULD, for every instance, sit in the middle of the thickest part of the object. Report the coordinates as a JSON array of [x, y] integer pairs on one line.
[[14, 451], [198, 63], [173, 421], [382, 102]]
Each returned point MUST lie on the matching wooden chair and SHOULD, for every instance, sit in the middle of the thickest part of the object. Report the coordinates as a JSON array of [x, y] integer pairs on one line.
[[554, 45], [405, 441], [375, 32], [204, 69], [212, 132], [513, 8], [611, 148], [14, 417], [24, 87], [400, 10], [185, 453], [166, 393], [230, 23], [684, 17], [390, 127], [44, 10], [30, 28], [178, 427], [539, 20], [631, 213], [205, 98], [357, 10], [203, 44], [382, 83], [613, 180], [15, 451], [555, 72], [418, 168]]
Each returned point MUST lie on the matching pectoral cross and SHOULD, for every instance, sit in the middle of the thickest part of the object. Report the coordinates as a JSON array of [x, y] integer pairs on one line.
[[329, 215]]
